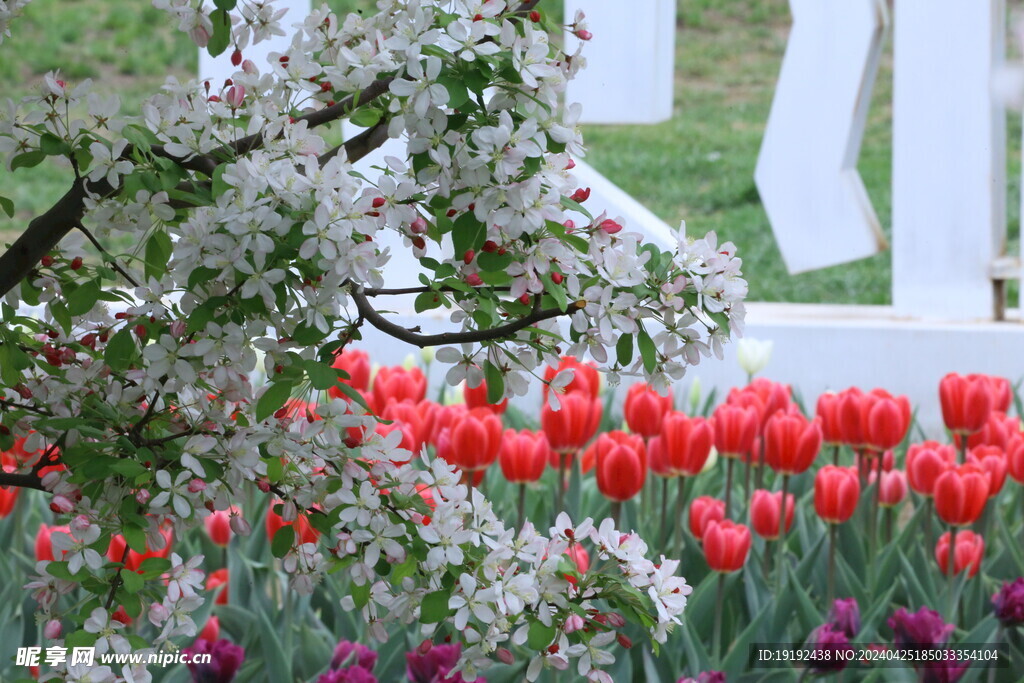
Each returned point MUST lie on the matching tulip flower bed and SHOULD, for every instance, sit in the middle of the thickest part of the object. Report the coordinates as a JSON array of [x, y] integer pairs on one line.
[[815, 541]]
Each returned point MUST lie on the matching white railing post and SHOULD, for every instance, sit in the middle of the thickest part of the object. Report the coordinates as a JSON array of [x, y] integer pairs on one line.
[[630, 61], [949, 158]]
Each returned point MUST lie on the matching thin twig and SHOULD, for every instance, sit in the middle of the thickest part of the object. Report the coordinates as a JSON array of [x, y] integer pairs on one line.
[[109, 259]]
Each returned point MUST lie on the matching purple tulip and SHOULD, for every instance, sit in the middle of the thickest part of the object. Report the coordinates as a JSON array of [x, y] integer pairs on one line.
[[351, 674], [925, 628], [827, 641], [225, 658], [1009, 603], [434, 665], [705, 677], [945, 671], [348, 653], [845, 616]]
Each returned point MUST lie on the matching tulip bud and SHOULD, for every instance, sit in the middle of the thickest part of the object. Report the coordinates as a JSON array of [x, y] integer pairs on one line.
[[970, 548], [753, 354], [726, 545]]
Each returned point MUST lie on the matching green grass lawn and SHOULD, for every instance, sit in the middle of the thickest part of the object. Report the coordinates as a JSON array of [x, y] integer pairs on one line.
[[698, 166]]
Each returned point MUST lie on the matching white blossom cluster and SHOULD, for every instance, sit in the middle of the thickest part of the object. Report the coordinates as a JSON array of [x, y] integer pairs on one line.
[[8, 10], [253, 238]]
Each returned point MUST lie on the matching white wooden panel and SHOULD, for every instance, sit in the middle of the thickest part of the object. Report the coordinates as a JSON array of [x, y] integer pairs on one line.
[[630, 61], [949, 148], [807, 169], [219, 68]]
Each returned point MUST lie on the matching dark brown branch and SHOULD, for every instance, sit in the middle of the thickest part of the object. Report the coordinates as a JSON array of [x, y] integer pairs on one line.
[[360, 145], [200, 162], [25, 481], [374, 291], [423, 340], [340, 109]]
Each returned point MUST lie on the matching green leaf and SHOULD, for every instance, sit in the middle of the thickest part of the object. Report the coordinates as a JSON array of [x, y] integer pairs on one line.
[[137, 136], [354, 395], [647, 350], [221, 37], [434, 607], [575, 206], [426, 301], [135, 538], [457, 92], [158, 253], [53, 146], [468, 233], [272, 399], [83, 298], [278, 663], [7, 206], [365, 118], [133, 582], [495, 383], [61, 315], [27, 160], [539, 636], [120, 351], [226, 5], [321, 375], [284, 539], [624, 350]]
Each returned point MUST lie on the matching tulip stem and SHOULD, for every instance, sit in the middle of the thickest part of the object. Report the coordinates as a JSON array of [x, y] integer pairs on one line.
[[962, 448], [998, 641], [759, 473], [831, 562], [780, 562], [616, 512], [522, 505], [890, 513], [728, 487], [746, 481], [560, 488], [951, 573], [663, 531], [677, 544], [835, 455], [930, 509], [716, 642]]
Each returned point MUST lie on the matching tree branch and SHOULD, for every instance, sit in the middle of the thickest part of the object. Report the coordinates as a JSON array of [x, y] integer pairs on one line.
[[422, 340], [25, 481], [340, 109], [358, 146], [109, 259]]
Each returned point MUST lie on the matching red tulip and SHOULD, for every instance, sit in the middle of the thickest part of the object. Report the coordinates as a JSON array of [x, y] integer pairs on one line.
[[621, 468], [970, 548], [437, 417], [827, 410], [961, 493], [523, 455], [399, 384], [356, 365], [210, 632], [894, 487], [585, 379], [1015, 457], [572, 426], [791, 442], [998, 430], [966, 402], [851, 425], [735, 429], [885, 419], [703, 510], [726, 545], [686, 442], [218, 527], [764, 513], [580, 556], [304, 532], [746, 398], [775, 396], [926, 462], [472, 441], [1001, 392], [476, 397], [44, 544], [645, 409], [605, 442], [991, 459], [8, 498], [408, 417], [217, 579], [117, 545], [836, 491]]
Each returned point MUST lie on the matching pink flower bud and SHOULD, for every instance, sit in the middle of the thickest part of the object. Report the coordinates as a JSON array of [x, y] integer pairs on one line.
[[289, 512], [505, 656], [584, 34], [61, 504], [196, 485], [616, 620], [142, 496], [235, 96], [418, 225], [473, 280], [249, 67], [79, 524], [610, 226], [178, 328], [52, 630], [158, 614], [573, 623], [425, 647]]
